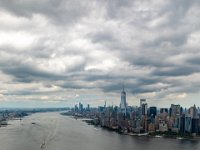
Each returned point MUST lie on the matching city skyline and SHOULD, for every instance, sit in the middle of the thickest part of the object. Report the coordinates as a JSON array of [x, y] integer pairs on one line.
[[143, 120], [123, 105], [60, 53]]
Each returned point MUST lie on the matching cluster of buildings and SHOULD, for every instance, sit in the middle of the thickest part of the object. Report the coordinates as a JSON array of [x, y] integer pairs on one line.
[[8, 115], [143, 119]]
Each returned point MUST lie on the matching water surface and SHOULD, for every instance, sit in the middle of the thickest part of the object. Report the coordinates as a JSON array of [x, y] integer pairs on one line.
[[64, 133]]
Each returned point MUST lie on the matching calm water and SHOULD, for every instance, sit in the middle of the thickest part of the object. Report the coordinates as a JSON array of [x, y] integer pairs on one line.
[[64, 133]]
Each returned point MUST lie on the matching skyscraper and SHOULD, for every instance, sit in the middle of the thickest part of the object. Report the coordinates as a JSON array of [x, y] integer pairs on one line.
[[80, 107], [143, 107], [193, 112], [152, 112], [142, 101], [123, 106], [163, 110], [175, 110], [188, 123]]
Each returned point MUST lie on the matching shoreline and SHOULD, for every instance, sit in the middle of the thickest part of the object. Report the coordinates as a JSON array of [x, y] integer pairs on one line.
[[170, 135]]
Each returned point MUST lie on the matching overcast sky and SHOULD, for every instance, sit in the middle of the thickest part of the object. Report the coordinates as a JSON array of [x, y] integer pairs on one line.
[[60, 52]]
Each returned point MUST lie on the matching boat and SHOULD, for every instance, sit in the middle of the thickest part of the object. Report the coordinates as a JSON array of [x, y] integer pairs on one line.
[[179, 138], [158, 136], [138, 134], [143, 134], [42, 146]]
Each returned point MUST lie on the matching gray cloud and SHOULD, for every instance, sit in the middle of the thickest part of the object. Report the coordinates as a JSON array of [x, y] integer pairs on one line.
[[195, 60], [177, 71], [58, 11], [71, 47]]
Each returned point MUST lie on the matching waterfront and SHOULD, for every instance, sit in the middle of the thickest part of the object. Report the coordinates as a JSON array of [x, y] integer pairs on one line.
[[65, 133]]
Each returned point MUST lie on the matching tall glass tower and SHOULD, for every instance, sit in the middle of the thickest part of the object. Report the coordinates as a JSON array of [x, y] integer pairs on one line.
[[123, 104]]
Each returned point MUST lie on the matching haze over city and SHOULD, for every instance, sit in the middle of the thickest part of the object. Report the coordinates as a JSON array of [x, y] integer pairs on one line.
[[57, 53]]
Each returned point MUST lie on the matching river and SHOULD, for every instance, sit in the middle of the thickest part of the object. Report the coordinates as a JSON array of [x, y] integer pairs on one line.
[[53, 131]]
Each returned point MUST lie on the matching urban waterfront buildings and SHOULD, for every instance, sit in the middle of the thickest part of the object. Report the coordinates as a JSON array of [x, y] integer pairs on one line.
[[144, 119]]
